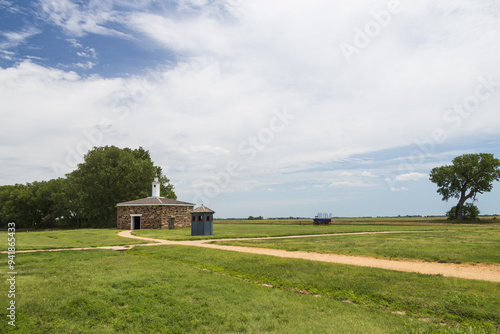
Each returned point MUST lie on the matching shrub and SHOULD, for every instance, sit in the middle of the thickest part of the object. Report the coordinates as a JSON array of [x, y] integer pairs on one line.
[[470, 212]]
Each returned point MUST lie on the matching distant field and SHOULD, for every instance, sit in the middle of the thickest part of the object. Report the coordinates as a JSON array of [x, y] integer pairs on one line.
[[244, 229], [461, 243], [222, 231], [67, 239], [377, 220]]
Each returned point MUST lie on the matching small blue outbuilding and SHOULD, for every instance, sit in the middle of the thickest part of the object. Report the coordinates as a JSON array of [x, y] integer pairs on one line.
[[202, 221]]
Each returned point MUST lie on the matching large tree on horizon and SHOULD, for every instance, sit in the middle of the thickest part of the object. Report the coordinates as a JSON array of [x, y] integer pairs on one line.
[[469, 175], [110, 175]]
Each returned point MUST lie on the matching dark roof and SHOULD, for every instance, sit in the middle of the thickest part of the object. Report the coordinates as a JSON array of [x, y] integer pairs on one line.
[[155, 201], [202, 209]]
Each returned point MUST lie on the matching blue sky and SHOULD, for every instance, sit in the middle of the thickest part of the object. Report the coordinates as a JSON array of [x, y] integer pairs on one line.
[[272, 108]]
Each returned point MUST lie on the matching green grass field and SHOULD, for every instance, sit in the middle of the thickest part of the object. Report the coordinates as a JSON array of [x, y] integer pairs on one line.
[[174, 289], [67, 239], [462, 243], [222, 231], [178, 289]]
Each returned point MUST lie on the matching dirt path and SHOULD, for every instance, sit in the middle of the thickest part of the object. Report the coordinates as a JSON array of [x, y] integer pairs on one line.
[[479, 272]]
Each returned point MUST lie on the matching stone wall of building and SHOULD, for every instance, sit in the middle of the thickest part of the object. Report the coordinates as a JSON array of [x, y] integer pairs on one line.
[[181, 215], [154, 216], [150, 219]]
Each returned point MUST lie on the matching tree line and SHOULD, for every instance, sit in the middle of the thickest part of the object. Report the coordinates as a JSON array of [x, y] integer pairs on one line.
[[86, 197]]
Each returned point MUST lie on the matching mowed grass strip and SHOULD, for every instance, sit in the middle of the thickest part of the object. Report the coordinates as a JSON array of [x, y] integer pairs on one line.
[[477, 244], [473, 306], [161, 291], [67, 239], [225, 231]]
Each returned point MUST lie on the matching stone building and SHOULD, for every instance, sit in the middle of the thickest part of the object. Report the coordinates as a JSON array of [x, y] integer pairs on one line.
[[154, 212]]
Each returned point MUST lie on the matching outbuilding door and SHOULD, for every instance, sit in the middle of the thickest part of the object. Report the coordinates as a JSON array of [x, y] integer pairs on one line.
[[171, 224], [136, 222]]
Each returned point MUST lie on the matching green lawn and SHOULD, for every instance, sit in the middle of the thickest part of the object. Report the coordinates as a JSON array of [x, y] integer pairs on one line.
[[222, 231], [446, 242], [67, 239], [174, 289], [460, 244]]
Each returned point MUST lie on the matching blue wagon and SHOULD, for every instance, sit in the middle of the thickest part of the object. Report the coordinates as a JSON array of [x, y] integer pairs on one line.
[[323, 219]]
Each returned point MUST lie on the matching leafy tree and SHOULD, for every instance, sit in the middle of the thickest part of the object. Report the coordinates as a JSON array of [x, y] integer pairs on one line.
[[18, 206], [51, 201], [469, 175], [110, 175], [469, 212], [255, 218], [35, 205]]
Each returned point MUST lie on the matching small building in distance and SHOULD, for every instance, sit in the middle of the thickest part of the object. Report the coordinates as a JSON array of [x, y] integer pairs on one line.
[[202, 221], [154, 212]]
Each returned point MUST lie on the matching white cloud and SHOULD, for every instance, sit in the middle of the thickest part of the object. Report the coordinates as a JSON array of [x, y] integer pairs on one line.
[[88, 53], [10, 6], [34, 58], [61, 108], [399, 189], [411, 176], [351, 183], [88, 65], [81, 19], [7, 55], [193, 36], [85, 52], [15, 38], [74, 43]]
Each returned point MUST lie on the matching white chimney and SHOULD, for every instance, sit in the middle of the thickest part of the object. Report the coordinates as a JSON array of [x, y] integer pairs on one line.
[[156, 187]]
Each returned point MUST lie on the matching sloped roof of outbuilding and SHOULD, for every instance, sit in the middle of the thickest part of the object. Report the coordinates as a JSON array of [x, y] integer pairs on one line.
[[155, 201], [202, 209]]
